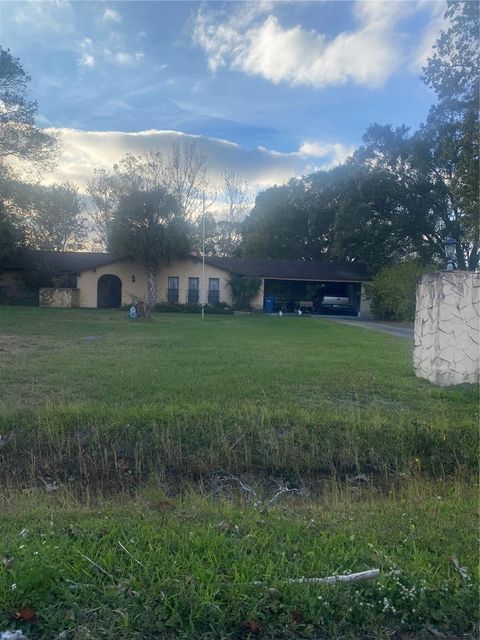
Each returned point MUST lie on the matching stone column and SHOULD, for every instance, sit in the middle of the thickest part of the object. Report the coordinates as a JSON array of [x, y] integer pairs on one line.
[[447, 328]]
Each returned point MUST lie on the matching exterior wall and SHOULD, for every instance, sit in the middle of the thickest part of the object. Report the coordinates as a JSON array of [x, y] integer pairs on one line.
[[134, 283], [364, 311], [190, 268], [59, 297], [447, 328], [127, 270]]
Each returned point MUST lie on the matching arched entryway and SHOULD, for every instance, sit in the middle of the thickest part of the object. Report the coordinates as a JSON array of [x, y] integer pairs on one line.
[[109, 292]]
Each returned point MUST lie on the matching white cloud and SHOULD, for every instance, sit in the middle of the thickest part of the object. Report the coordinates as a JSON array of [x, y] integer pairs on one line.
[[333, 153], [112, 15], [437, 22], [123, 57], [87, 60], [42, 16], [84, 151], [256, 44]]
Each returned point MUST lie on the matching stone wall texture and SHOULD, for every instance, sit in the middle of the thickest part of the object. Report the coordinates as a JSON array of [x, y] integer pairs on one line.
[[58, 297], [447, 328]]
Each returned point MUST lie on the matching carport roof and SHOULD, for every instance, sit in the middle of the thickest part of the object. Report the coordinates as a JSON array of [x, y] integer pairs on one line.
[[291, 269]]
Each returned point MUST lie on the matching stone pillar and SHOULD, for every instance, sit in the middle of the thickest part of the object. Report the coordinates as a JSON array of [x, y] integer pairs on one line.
[[447, 328]]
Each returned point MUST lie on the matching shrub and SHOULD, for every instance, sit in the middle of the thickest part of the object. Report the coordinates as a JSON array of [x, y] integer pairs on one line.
[[244, 289], [392, 291], [219, 308]]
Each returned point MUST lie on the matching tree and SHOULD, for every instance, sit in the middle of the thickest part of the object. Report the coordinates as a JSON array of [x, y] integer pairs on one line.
[[244, 289], [293, 220], [237, 199], [12, 235], [452, 127], [452, 70], [405, 197], [185, 176], [104, 198], [206, 227], [182, 173], [149, 226], [52, 217], [20, 137]]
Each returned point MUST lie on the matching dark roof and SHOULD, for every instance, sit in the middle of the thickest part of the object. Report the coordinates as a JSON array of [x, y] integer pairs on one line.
[[291, 269], [77, 261], [59, 261]]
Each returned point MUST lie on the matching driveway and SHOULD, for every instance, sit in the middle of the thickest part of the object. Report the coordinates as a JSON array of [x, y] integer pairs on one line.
[[399, 329]]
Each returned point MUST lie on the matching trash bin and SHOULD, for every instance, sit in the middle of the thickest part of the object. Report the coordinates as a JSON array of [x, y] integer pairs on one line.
[[269, 304]]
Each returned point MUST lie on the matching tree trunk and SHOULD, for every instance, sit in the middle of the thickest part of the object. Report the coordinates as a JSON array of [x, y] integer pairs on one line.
[[152, 288]]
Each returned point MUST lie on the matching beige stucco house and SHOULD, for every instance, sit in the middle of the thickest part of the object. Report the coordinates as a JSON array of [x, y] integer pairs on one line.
[[102, 280]]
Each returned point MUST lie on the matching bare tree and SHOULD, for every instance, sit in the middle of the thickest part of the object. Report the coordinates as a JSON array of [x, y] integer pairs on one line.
[[185, 176], [238, 199], [183, 173], [104, 198]]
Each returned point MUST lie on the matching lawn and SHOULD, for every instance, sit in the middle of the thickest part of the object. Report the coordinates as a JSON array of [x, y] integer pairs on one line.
[[140, 463]]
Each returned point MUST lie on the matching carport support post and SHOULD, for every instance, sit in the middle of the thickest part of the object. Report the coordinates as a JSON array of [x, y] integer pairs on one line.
[[364, 311]]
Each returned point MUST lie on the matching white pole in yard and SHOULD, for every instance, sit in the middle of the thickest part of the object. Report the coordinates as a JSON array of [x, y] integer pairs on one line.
[[203, 256]]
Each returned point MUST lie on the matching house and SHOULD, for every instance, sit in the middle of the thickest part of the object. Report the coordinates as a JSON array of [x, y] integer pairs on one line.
[[102, 280]]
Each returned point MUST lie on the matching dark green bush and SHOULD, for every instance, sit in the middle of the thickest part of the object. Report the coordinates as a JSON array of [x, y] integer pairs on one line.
[[392, 291], [244, 289], [219, 308]]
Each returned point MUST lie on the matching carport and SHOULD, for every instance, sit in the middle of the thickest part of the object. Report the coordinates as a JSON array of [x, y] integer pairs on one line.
[[314, 286], [312, 296]]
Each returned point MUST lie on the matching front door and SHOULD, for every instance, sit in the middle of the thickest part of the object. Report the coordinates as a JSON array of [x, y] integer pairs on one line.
[[109, 292]]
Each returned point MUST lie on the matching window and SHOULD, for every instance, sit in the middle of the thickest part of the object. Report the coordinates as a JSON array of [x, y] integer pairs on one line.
[[213, 290], [172, 291], [193, 287]]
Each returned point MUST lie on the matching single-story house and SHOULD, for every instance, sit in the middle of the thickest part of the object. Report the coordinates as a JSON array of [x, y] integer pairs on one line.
[[103, 280]]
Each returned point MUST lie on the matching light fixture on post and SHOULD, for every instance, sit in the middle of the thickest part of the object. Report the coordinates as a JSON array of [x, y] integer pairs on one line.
[[450, 245]]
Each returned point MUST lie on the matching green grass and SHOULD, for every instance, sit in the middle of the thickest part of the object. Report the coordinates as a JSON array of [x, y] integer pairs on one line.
[[176, 395], [136, 570], [121, 518]]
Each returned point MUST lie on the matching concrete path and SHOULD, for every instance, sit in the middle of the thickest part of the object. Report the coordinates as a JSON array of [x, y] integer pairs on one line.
[[401, 330]]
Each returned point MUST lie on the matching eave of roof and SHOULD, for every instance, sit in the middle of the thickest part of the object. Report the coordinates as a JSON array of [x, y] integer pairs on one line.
[[60, 261], [314, 270]]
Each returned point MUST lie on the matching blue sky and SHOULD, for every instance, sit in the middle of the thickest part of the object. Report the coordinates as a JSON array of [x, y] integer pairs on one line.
[[271, 89]]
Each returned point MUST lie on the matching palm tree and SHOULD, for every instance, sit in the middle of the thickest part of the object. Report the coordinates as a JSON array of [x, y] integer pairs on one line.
[[148, 226]]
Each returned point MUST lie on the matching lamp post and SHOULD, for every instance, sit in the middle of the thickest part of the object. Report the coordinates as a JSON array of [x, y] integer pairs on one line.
[[450, 245]]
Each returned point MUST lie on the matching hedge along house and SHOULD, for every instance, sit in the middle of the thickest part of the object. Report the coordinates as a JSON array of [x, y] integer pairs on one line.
[[102, 280]]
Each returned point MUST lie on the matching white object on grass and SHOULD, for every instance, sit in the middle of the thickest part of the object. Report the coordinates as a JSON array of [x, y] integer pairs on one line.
[[371, 574]]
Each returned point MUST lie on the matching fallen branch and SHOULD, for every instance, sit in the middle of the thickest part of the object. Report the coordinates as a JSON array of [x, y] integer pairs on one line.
[[279, 493], [371, 574]]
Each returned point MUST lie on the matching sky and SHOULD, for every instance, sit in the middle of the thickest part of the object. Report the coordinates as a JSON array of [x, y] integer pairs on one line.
[[269, 90]]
